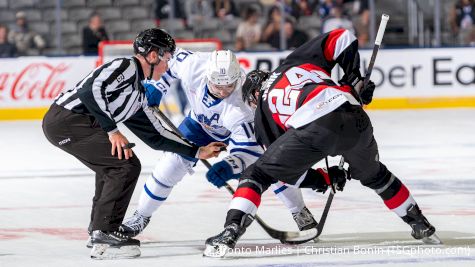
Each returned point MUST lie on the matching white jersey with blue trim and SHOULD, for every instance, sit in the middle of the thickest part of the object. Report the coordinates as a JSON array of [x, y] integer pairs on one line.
[[223, 119]]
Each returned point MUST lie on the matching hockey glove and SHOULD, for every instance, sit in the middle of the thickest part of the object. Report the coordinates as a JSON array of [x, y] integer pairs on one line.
[[355, 80], [338, 177], [152, 93], [366, 94], [334, 175], [220, 173]]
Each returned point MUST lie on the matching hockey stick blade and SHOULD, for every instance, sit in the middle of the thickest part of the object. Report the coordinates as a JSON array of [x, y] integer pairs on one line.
[[323, 218], [286, 237]]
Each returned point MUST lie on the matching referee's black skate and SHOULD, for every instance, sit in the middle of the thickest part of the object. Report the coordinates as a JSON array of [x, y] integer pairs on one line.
[[421, 228], [217, 246], [113, 245], [135, 225], [304, 219]]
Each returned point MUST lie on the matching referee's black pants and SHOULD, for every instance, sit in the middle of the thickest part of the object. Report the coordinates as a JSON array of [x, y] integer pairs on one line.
[[81, 136]]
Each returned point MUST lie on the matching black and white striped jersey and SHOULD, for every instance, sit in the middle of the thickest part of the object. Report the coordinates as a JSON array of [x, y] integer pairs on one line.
[[113, 93]]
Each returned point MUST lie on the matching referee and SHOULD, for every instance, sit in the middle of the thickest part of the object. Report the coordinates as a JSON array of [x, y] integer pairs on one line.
[[83, 122]]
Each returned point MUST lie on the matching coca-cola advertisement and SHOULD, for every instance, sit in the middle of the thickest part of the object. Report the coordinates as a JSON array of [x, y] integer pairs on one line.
[[36, 81]]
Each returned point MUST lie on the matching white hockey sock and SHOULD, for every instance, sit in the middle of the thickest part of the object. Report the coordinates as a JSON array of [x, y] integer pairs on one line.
[[153, 196], [290, 196]]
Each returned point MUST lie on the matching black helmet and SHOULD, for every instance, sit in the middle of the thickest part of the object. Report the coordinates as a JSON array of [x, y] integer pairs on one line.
[[253, 83], [154, 38]]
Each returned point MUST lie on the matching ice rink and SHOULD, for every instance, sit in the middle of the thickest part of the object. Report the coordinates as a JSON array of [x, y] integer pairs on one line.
[[45, 198]]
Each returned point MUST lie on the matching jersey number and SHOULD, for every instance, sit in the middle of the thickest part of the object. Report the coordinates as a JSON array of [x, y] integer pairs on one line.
[[283, 101]]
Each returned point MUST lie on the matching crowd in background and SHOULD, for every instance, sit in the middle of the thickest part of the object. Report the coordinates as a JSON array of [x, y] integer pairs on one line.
[[252, 26], [255, 33]]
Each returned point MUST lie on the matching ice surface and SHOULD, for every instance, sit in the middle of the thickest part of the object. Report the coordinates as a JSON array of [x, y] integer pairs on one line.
[[45, 198]]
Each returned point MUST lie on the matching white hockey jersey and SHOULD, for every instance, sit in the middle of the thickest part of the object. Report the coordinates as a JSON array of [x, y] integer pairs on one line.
[[223, 119]]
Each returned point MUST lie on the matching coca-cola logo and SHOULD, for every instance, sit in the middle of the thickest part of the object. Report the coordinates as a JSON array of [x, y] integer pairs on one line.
[[35, 81]]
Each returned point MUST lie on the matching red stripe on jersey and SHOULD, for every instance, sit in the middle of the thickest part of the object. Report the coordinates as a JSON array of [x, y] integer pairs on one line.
[[344, 88], [310, 67], [249, 194], [325, 175], [314, 93], [320, 88], [282, 83], [330, 44], [401, 196]]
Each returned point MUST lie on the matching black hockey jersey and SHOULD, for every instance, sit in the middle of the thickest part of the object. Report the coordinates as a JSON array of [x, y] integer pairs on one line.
[[300, 90]]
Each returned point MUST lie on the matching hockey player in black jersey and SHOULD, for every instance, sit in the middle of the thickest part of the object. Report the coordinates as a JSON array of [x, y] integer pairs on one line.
[[83, 122], [303, 116]]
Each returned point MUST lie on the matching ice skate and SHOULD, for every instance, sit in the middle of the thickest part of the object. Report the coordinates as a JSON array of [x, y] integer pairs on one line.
[[89, 242], [89, 239], [219, 245], [304, 219], [421, 228], [134, 225], [113, 245]]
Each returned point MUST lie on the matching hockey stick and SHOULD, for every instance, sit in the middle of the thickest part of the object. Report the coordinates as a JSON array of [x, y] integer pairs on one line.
[[323, 218], [377, 44], [287, 237]]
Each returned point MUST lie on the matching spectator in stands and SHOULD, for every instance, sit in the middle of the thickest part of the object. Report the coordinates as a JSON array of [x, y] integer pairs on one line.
[[462, 19], [325, 7], [292, 8], [225, 9], [294, 37], [337, 20], [163, 9], [248, 33], [6, 49], [92, 34], [27, 43], [305, 7], [361, 10], [273, 23]]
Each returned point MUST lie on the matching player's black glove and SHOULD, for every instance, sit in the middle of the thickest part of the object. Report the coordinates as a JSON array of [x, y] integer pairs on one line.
[[355, 80], [336, 176], [339, 177], [366, 93]]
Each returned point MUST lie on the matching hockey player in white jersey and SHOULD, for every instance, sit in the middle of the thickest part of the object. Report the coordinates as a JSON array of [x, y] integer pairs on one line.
[[212, 83]]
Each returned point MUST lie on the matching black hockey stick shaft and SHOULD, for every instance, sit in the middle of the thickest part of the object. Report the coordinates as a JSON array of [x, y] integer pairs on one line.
[[377, 44], [277, 234], [323, 218]]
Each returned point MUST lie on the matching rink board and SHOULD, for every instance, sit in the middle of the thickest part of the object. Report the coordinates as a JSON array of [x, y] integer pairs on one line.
[[405, 79]]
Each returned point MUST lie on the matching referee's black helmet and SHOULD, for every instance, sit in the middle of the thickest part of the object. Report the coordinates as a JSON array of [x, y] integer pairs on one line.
[[154, 39]]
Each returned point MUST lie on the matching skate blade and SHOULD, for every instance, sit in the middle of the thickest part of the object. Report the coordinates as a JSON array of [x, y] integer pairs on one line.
[[106, 252], [216, 251], [432, 240], [89, 243]]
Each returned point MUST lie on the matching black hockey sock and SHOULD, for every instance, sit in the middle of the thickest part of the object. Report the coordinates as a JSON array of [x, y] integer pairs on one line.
[[394, 193], [246, 201]]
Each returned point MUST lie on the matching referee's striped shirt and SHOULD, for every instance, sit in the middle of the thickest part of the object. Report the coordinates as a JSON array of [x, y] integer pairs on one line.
[[113, 93]]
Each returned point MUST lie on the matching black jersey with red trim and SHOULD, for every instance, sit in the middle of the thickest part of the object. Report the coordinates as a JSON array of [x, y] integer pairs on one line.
[[300, 90]]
